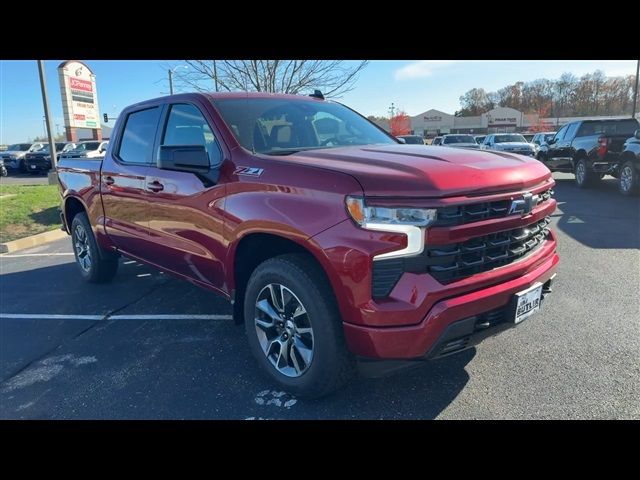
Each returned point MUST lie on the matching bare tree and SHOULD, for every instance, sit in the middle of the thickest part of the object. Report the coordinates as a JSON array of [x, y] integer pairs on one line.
[[592, 94], [332, 77]]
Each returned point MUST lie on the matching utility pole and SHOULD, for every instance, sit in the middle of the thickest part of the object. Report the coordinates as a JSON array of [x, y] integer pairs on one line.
[[215, 75], [635, 91], [49, 125], [170, 82]]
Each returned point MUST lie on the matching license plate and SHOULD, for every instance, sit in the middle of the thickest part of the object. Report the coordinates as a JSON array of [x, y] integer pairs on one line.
[[528, 302]]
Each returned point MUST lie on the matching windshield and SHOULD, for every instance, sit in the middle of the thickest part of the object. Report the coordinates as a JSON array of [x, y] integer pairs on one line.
[[83, 147], [459, 139], [280, 126], [509, 138], [412, 139], [19, 147]]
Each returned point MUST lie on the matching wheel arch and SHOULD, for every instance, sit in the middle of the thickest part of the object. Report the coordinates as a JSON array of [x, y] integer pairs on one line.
[[251, 250], [71, 207]]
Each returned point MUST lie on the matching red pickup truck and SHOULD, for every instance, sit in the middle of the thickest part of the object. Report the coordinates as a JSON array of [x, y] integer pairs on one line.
[[336, 244]]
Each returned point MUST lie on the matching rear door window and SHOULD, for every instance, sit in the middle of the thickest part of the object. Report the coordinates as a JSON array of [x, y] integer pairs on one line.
[[136, 145]]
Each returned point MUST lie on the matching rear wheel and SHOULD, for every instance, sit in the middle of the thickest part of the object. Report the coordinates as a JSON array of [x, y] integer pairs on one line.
[[584, 176], [628, 179], [294, 327], [95, 264]]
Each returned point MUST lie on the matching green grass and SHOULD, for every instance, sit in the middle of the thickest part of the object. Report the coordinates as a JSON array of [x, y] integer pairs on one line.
[[28, 209]]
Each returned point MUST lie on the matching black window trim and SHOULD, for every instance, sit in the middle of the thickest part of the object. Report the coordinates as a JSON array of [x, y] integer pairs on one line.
[[118, 142], [164, 122]]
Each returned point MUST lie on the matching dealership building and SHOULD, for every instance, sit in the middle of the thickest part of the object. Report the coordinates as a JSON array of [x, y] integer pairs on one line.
[[498, 120]]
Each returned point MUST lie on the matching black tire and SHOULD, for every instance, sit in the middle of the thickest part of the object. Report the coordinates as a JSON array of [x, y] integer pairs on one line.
[[584, 176], [101, 266], [331, 364], [628, 180]]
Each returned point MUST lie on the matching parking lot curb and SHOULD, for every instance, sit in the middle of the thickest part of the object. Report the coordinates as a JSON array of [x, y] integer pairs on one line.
[[32, 241]]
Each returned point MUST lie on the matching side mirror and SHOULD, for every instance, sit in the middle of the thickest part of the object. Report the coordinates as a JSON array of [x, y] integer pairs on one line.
[[401, 140], [184, 158], [637, 134], [551, 141]]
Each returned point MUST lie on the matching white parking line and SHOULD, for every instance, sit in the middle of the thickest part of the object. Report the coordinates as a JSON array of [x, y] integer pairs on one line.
[[55, 316], [16, 255]]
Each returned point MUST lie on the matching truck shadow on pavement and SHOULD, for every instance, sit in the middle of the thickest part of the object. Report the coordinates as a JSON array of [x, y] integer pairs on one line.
[[598, 217], [161, 369]]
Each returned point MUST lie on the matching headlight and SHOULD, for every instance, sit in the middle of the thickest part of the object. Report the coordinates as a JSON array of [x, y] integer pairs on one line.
[[405, 220]]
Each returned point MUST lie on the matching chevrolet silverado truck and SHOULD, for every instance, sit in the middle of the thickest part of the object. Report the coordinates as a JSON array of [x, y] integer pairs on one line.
[[40, 160], [588, 148], [337, 246]]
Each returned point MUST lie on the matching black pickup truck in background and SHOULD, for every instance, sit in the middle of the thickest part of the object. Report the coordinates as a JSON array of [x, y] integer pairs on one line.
[[589, 148], [629, 166]]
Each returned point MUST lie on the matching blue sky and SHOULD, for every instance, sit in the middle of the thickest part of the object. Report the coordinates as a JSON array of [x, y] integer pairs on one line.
[[414, 86]]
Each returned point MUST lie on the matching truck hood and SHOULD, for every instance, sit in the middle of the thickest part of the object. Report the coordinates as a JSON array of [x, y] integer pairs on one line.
[[512, 145], [16, 153], [426, 171], [461, 145]]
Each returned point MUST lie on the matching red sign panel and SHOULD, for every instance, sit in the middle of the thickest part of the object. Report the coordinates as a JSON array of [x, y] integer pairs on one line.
[[78, 116], [79, 84]]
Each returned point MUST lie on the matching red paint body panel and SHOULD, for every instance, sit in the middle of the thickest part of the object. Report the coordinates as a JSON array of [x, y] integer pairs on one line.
[[193, 230]]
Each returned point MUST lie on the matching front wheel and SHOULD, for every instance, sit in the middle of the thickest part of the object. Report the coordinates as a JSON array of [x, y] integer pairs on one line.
[[294, 327], [628, 179], [96, 265]]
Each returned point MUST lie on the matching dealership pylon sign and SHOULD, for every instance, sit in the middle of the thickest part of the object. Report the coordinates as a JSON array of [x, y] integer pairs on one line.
[[79, 99]]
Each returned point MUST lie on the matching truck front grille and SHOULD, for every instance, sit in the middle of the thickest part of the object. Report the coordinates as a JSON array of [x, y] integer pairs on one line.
[[448, 263], [461, 214]]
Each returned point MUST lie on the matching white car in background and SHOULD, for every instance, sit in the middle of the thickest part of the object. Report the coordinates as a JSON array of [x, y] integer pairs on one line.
[[88, 149]]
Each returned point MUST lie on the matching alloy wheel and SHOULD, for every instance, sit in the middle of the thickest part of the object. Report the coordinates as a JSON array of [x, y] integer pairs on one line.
[[81, 246], [626, 178], [284, 330], [580, 172]]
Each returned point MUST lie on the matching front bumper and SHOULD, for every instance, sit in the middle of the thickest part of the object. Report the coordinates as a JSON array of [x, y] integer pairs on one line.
[[11, 163], [37, 165], [451, 324]]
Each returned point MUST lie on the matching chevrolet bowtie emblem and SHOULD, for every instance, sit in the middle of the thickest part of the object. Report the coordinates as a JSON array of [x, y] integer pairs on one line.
[[525, 205]]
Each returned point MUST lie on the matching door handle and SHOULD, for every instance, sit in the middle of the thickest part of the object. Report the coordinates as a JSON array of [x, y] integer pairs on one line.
[[155, 186], [109, 180]]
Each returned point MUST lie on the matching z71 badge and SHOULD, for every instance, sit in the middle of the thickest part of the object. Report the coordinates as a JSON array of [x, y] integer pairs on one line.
[[253, 171]]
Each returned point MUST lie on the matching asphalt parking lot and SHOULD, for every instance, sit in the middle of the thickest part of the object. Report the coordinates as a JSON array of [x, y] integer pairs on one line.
[[152, 347]]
